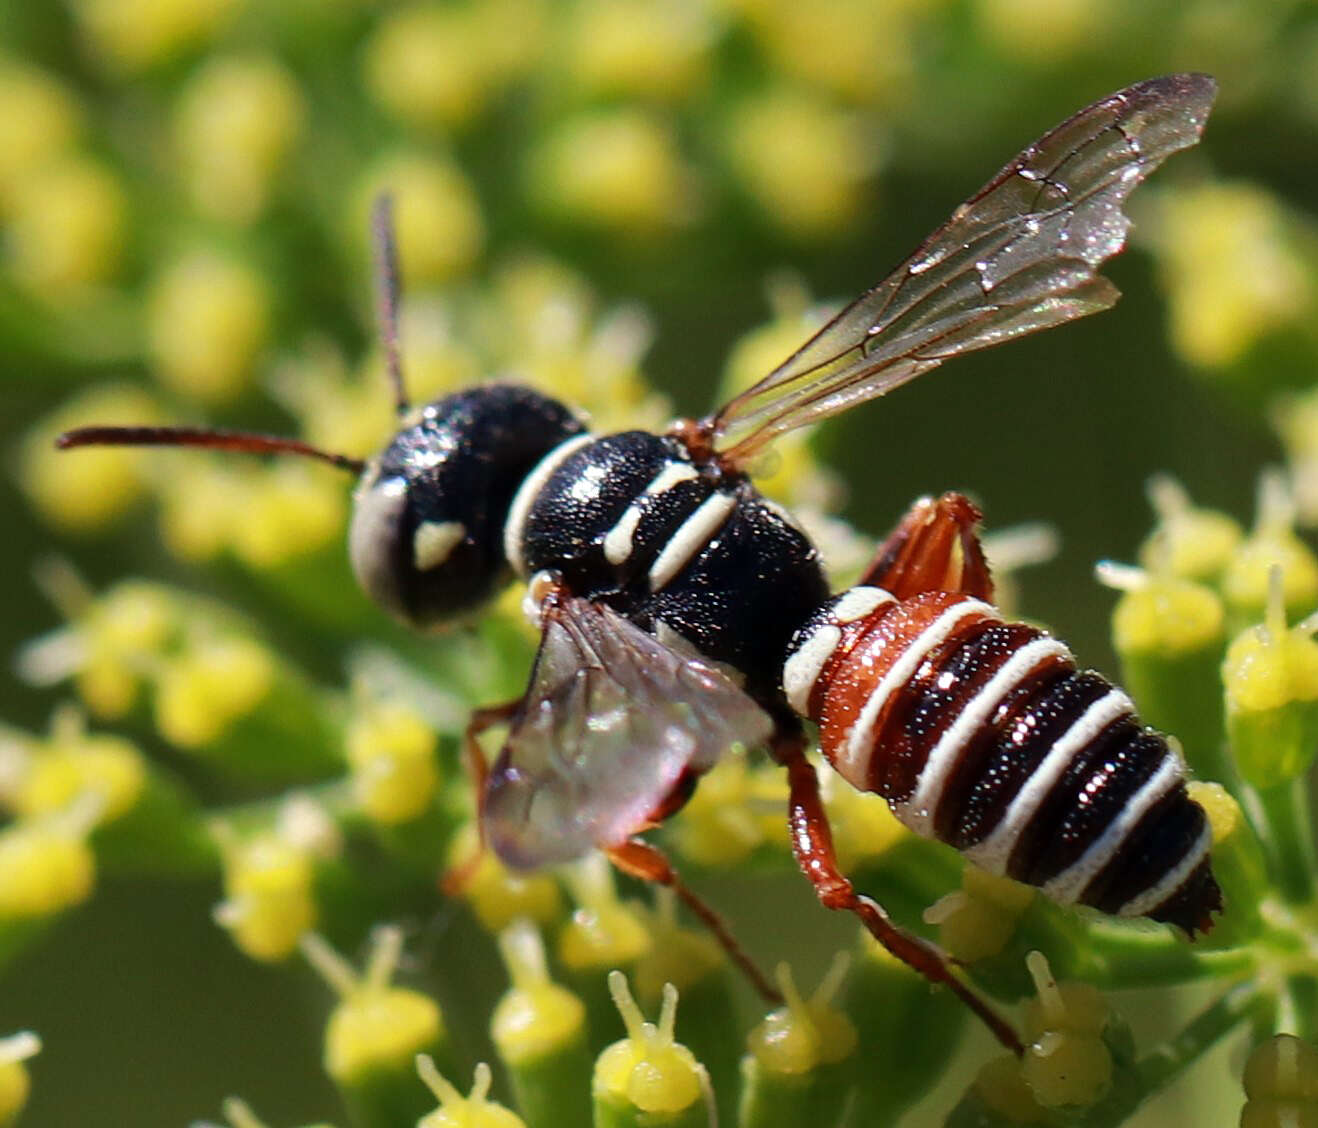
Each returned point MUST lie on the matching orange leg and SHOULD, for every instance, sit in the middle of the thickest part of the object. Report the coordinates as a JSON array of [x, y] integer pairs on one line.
[[478, 769], [935, 547], [812, 842], [641, 860]]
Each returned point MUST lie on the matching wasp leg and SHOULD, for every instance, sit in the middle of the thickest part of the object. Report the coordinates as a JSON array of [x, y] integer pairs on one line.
[[478, 770], [812, 842], [935, 547], [641, 860]]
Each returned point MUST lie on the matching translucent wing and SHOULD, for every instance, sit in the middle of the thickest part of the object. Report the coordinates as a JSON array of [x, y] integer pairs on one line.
[[1018, 256], [613, 724]]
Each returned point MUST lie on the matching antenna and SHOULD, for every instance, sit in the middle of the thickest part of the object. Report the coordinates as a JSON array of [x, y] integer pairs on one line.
[[386, 293], [244, 441]]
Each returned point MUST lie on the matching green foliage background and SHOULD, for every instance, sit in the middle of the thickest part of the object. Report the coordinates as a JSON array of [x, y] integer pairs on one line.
[[149, 1013]]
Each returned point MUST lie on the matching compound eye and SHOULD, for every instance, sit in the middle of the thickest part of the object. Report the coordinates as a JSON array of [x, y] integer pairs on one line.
[[378, 559]]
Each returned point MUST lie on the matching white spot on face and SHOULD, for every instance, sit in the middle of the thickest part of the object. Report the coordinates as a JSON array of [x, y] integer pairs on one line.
[[859, 602], [804, 665], [691, 536], [993, 853], [434, 541], [515, 528]]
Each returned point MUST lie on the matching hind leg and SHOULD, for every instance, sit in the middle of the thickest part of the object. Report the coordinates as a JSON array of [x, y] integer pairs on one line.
[[935, 547]]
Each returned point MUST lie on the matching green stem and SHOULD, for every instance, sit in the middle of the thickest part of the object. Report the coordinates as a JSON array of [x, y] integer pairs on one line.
[[1284, 821], [1161, 1065]]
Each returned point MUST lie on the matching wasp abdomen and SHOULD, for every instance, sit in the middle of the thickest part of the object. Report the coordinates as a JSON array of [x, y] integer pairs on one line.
[[984, 735]]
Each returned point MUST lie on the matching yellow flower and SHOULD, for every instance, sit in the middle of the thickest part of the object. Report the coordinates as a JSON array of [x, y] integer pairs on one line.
[[208, 320], [234, 122], [39, 118], [133, 34], [647, 48]]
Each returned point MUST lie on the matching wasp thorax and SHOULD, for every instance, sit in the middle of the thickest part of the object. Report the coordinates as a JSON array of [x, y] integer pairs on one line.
[[426, 541]]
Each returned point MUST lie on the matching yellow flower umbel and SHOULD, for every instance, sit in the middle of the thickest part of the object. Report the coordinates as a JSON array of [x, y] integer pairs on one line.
[[539, 1030], [457, 1111], [208, 320], [1281, 1084], [1188, 541], [15, 1082], [648, 1080], [234, 123], [377, 1030]]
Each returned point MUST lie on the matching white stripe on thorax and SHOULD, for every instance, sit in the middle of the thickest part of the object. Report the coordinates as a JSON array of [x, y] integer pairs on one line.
[[514, 528], [917, 812], [691, 536], [1154, 896], [618, 540], [1067, 886], [855, 756], [993, 853]]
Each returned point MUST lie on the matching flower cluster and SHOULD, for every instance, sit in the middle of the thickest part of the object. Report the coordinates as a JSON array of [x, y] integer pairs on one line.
[[184, 191]]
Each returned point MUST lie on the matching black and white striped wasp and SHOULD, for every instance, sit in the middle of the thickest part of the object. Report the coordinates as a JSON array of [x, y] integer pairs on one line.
[[682, 613]]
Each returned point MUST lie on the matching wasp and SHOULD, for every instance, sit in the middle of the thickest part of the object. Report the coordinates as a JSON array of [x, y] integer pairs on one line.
[[682, 613]]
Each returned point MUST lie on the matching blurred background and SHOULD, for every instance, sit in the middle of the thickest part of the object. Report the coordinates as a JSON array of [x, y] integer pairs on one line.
[[634, 203]]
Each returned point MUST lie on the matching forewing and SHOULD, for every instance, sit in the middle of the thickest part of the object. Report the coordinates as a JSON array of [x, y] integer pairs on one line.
[[1019, 255], [612, 722]]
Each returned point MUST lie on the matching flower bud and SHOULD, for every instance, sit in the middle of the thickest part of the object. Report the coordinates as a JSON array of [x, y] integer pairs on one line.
[[539, 1029], [497, 895], [376, 1031], [647, 1079], [457, 1111], [391, 753], [269, 895], [15, 1082], [1281, 1082]]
